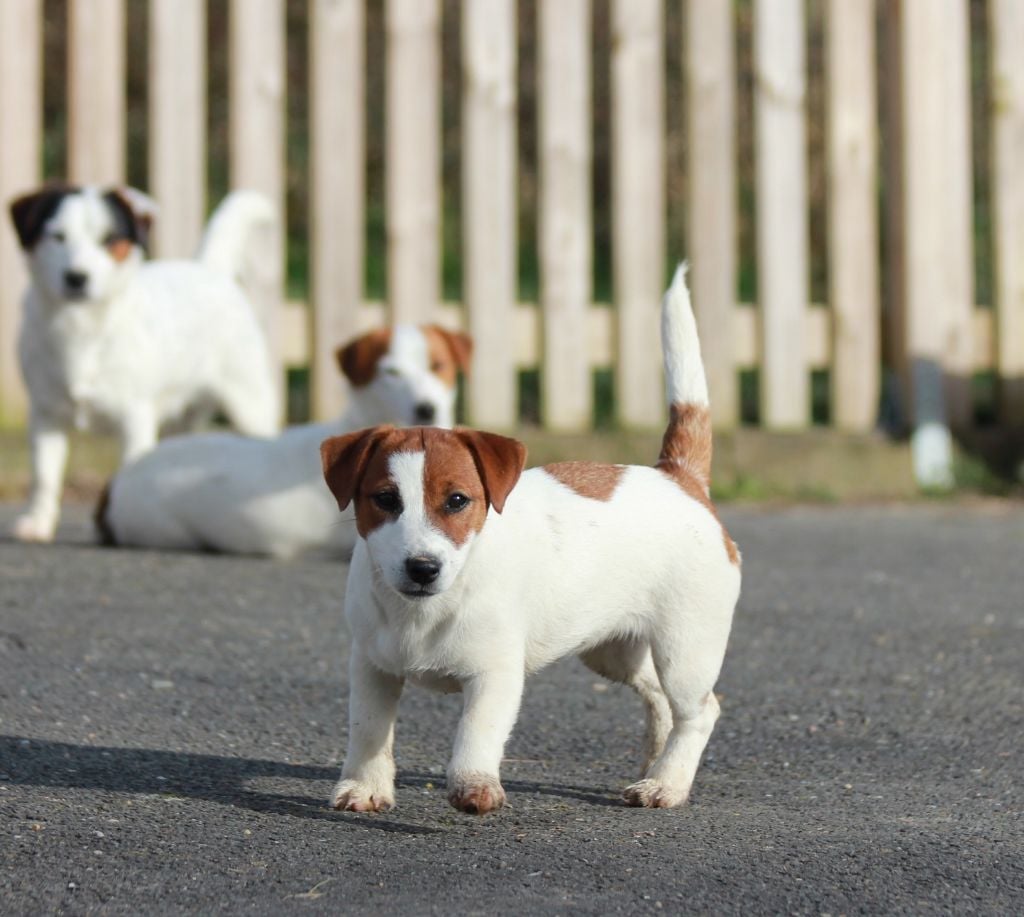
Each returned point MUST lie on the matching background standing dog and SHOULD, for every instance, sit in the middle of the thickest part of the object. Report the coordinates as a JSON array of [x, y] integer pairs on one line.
[[112, 343], [225, 492], [468, 576]]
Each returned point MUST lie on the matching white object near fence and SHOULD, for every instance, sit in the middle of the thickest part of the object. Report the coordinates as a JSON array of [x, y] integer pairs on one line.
[[566, 335]]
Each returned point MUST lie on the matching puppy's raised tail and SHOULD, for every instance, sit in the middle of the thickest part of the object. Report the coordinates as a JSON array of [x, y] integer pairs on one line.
[[686, 447], [230, 244]]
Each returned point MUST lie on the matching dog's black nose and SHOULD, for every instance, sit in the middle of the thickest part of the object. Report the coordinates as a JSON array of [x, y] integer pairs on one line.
[[422, 569], [75, 280], [425, 412]]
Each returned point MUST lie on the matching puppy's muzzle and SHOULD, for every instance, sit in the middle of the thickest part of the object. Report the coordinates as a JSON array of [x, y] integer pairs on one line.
[[422, 569]]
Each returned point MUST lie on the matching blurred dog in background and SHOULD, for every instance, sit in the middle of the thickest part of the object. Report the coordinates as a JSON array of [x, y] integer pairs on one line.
[[223, 492], [112, 343]]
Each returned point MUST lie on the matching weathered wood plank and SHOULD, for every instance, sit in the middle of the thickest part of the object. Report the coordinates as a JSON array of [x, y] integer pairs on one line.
[[782, 215], [638, 214], [21, 103], [711, 228], [853, 212], [96, 91], [256, 124], [177, 123], [413, 157], [337, 189], [489, 204], [565, 218], [1006, 33]]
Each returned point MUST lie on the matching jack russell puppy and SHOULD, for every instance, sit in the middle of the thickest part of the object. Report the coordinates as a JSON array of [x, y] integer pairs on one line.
[[230, 493], [470, 574], [112, 343]]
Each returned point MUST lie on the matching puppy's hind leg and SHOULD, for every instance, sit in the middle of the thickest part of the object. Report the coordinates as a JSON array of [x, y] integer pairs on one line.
[[695, 710], [628, 661]]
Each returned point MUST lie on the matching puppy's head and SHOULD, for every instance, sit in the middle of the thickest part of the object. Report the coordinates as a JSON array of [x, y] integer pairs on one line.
[[82, 244], [407, 374], [421, 497]]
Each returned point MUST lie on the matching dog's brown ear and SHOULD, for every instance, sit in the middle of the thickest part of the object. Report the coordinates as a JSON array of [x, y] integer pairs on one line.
[[459, 344], [358, 359], [499, 460], [134, 212], [344, 460], [29, 212]]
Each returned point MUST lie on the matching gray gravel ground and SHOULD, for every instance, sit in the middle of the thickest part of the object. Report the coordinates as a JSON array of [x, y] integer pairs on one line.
[[171, 725]]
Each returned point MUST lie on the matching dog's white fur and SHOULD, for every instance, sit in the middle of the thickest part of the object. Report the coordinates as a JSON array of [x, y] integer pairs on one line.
[[135, 345], [240, 495], [640, 583]]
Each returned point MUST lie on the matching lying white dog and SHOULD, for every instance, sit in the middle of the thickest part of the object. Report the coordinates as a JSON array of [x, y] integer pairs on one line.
[[468, 576], [112, 343], [224, 492]]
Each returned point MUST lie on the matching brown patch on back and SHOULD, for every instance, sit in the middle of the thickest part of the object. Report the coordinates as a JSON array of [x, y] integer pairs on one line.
[[448, 352], [358, 359], [686, 459], [593, 480]]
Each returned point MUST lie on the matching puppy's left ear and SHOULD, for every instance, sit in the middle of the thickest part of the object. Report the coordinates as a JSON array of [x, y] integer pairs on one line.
[[344, 460], [139, 211], [499, 460], [29, 212], [460, 346]]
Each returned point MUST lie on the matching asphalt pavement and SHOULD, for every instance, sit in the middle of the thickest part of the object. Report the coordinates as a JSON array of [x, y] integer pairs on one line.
[[171, 727]]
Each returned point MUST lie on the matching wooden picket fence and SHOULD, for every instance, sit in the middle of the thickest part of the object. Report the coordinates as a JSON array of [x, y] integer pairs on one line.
[[929, 245]]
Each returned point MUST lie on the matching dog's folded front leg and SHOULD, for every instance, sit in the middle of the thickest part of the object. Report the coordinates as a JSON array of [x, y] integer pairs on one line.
[[368, 776], [49, 456], [489, 713]]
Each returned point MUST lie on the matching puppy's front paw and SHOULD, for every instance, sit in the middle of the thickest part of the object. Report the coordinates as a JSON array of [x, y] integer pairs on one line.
[[354, 796], [476, 794], [34, 528], [654, 794]]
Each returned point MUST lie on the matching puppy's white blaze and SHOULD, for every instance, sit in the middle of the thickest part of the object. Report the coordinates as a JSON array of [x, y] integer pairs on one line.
[[412, 533]]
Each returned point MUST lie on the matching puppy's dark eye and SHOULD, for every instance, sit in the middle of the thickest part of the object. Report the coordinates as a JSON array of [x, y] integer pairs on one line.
[[391, 371], [57, 236], [436, 366], [109, 239], [387, 501], [456, 503]]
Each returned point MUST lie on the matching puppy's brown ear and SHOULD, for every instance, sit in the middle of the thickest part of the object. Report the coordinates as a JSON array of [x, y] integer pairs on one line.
[[358, 359], [344, 460], [460, 346], [134, 212], [499, 460], [29, 212]]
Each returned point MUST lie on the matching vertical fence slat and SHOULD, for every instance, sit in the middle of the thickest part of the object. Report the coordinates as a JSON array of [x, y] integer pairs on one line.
[[638, 194], [711, 234], [337, 191], [782, 216], [565, 235], [413, 158], [853, 212], [936, 181], [21, 96], [1006, 33], [959, 262], [96, 91], [177, 123], [489, 204], [256, 142]]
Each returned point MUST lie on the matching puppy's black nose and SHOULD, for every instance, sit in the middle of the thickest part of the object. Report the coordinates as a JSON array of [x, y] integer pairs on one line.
[[75, 280], [422, 569], [425, 412]]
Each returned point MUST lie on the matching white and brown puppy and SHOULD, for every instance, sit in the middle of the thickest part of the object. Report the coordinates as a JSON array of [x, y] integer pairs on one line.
[[469, 575], [112, 343], [230, 493]]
